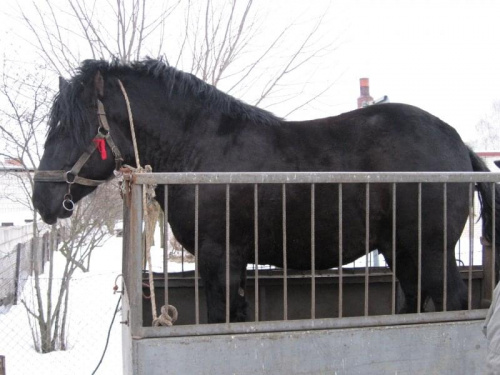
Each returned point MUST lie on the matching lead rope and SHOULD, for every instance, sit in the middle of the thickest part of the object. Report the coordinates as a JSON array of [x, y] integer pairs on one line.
[[132, 127], [151, 212]]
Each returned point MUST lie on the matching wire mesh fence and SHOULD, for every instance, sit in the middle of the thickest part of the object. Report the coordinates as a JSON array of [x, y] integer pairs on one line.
[[91, 306]]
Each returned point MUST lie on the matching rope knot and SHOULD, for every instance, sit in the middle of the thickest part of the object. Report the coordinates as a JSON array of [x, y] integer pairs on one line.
[[166, 319]]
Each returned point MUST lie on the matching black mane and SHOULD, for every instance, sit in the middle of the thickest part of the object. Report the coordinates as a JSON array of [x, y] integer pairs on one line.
[[69, 113]]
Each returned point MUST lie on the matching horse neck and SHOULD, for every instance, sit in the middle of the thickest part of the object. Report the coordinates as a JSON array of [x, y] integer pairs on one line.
[[167, 140]]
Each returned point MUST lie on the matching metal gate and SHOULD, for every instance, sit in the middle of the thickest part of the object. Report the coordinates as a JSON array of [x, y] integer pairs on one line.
[[312, 343]]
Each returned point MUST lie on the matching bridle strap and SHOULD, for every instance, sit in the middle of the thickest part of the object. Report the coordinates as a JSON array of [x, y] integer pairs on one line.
[[62, 176], [103, 122], [71, 176], [103, 132]]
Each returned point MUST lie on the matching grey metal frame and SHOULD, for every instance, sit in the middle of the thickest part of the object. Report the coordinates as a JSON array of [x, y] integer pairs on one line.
[[133, 242]]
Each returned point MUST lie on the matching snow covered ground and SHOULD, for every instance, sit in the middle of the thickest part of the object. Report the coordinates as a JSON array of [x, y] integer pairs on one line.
[[92, 305]]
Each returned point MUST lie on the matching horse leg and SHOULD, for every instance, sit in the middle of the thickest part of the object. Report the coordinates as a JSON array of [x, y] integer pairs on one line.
[[213, 272], [432, 280], [456, 291], [406, 272]]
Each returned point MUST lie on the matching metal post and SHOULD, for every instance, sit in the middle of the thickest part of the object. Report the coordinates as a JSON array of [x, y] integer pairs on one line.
[[285, 281], [488, 275], [471, 243], [394, 263], [196, 255], [256, 249], [228, 261], [17, 273], [2, 365], [165, 243], [445, 246], [419, 244], [313, 254], [341, 281], [367, 247], [134, 266], [493, 239]]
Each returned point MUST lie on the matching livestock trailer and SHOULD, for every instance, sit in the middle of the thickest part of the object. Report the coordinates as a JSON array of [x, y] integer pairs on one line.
[[342, 320]]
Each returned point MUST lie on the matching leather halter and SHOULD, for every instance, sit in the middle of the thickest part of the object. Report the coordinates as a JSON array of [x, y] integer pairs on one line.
[[71, 177]]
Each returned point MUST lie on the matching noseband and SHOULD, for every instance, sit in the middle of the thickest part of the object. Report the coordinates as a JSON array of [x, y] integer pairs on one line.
[[71, 177]]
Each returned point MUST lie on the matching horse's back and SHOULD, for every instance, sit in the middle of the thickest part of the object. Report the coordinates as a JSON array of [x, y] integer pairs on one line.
[[397, 137]]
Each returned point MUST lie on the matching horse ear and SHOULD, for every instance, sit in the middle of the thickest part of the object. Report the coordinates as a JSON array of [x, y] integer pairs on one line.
[[62, 83], [99, 84]]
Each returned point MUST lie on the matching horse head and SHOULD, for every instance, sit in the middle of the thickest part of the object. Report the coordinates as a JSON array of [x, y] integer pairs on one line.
[[81, 151]]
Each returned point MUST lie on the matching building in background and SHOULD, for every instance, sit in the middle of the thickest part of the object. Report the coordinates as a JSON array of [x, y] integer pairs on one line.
[[15, 193]]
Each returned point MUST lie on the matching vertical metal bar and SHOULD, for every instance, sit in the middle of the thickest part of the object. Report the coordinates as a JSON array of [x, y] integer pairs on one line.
[[165, 242], [134, 267], [256, 239], [341, 281], [471, 243], [313, 253], [419, 244], [367, 245], [182, 259], [196, 253], [228, 275], [285, 275], [394, 263], [445, 246], [126, 236], [493, 238]]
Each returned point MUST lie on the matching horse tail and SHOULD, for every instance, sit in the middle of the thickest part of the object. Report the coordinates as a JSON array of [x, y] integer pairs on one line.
[[486, 200]]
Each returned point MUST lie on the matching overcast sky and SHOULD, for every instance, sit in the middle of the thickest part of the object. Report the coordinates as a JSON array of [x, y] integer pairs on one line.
[[440, 55]]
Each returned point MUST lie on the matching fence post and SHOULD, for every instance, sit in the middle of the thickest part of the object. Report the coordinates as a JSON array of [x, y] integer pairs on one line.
[[2, 365], [17, 275], [487, 289]]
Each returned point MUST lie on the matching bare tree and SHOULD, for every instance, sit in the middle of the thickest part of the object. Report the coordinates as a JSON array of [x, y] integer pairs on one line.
[[225, 43], [22, 125], [489, 129], [84, 232]]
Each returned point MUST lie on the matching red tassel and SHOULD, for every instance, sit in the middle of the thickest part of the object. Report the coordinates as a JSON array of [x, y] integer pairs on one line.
[[100, 144]]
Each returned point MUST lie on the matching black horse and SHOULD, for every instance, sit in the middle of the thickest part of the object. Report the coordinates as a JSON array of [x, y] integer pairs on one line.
[[185, 125]]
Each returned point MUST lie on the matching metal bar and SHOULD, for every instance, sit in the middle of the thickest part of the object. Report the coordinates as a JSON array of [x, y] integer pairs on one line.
[[394, 264], [471, 243], [17, 273], [313, 253], [165, 242], [311, 325], [256, 241], [285, 271], [445, 247], [341, 282], [182, 259], [493, 238], [134, 266], [228, 264], [419, 244], [196, 253], [186, 178], [367, 246]]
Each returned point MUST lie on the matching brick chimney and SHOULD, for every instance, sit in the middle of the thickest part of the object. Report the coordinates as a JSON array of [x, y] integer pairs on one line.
[[365, 98]]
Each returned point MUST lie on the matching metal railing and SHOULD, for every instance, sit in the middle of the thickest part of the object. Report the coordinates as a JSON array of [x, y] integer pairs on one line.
[[133, 241]]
